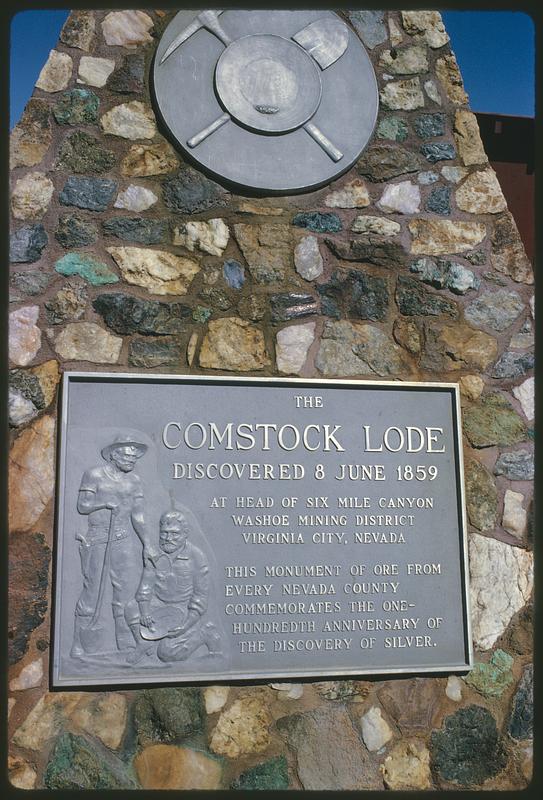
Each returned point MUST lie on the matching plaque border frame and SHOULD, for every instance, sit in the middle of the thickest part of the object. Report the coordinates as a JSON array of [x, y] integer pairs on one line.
[[58, 683]]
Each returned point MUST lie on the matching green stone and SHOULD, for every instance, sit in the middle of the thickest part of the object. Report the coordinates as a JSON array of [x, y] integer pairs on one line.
[[468, 749], [492, 421], [481, 496], [95, 272], [83, 154], [77, 107], [493, 678], [272, 774], [201, 314], [76, 763], [393, 128], [168, 715]]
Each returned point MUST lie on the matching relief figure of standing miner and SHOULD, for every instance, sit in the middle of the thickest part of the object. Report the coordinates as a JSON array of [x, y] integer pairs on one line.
[[111, 496], [172, 597]]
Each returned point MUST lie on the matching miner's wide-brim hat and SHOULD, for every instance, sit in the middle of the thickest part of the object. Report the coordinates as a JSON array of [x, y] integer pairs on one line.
[[124, 441]]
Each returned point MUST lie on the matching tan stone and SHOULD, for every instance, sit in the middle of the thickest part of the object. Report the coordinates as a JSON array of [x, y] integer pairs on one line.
[[28, 678], [11, 704], [243, 728], [515, 516], [525, 394], [31, 196], [380, 226], [95, 71], [103, 716], [31, 474], [450, 78], [56, 72], [211, 236], [427, 23], [78, 30], [444, 237], [407, 334], [46, 719], [233, 344], [507, 253], [481, 194], [191, 348], [132, 120], [149, 159], [127, 28], [403, 95], [396, 36], [215, 698], [267, 249], [31, 137], [353, 195], [468, 138], [407, 61], [471, 386], [462, 347], [85, 341], [165, 766], [247, 207], [157, 270], [21, 774], [24, 336], [48, 375], [407, 766]]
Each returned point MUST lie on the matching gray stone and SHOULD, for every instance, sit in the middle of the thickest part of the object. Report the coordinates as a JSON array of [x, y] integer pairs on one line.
[[77, 763], [94, 194], [140, 230], [154, 353], [439, 200], [413, 300], [492, 421], [432, 91], [468, 749], [216, 298], [189, 192], [350, 293], [454, 174], [77, 107], [135, 198], [400, 198], [78, 30], [524, 338], [253, 307], [508, 254], [126, 314], [373, 250], [438, 151], [496, 310], [476, 257], [329, 753], [370, 26], [481, 496], [234, 274], [32, 283], [68, 303], [318, 222], [85, 341], [516, 466], [292, 305], [271, 774], [28, 386], [392, 128], [129, 77], [307, 258], [443, 274], [427, 178], [358, 349], [521, 722], [27, 243], [513, 365], [83, 154], [74, 231], [429, 125], [383, 162]]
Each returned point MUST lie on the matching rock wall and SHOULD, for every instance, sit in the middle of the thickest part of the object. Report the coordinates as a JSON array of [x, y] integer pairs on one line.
[[407, 267]]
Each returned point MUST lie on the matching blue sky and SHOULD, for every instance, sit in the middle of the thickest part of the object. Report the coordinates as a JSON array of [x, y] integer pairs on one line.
[[495, 51]]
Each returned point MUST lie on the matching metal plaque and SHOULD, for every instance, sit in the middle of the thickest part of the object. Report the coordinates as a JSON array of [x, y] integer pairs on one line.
[[274, 100], [243, 528]]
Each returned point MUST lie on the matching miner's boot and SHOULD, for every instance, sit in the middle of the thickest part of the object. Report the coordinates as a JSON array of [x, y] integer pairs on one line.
[[212, 638], [143, 647], [123, 637], [80, 623]]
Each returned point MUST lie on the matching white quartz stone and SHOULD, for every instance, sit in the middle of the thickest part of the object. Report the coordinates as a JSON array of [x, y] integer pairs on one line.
[[210, 237], [292, 346], [501, 584], [29, 677], [135, 198], [432, 91], [400, 198], [375, 731], [307, 258], [291, 690], [131, 120], [127, 28], [215, 698], [453, 690], [514, 515], [95, 71], [24, 335], [525, 394]]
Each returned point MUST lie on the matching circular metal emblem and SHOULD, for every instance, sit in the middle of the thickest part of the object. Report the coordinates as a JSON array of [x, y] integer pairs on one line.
[[276, 101]]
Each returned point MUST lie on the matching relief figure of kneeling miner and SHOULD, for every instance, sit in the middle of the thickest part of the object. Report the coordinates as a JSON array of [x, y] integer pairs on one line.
[[172, 598]]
